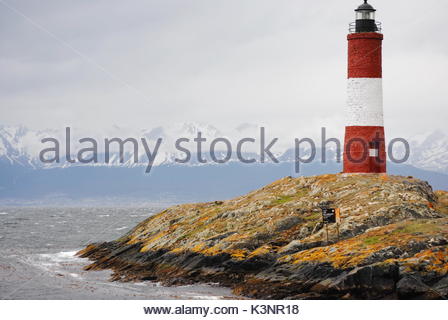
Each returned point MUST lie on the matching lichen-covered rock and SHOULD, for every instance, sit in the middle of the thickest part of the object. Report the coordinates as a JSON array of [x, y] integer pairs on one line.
[[271, 243]]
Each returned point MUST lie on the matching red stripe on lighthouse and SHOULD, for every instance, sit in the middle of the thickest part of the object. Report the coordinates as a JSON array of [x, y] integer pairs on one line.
[[364, 150], [364, 55]]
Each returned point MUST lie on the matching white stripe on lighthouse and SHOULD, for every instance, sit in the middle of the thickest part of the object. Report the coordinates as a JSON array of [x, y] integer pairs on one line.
[[365, 102]]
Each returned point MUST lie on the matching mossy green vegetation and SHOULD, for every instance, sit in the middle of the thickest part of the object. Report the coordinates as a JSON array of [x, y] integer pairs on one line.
[[372, 240], [283, 199], [417, 227]]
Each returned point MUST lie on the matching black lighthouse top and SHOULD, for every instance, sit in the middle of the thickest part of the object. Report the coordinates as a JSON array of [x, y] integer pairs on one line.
[[365, 19]]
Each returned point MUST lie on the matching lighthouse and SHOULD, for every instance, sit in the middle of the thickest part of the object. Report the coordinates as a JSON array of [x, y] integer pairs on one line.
[[364, 145]]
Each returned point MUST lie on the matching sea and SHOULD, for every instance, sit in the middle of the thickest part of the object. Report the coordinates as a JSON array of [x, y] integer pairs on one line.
[[38, 261]]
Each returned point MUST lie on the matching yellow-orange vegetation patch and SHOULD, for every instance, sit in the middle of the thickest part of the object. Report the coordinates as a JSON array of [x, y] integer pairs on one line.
[[199, 247], [147, 243], [237, 237], [427, 260], [261, 251], [327, 178], [238, 254], [352, 252], [177, 250]]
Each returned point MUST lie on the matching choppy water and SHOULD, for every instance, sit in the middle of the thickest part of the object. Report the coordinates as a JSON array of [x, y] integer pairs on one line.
[[37, 247]]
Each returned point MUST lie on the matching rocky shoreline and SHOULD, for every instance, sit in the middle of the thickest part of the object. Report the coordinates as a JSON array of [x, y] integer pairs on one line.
[[271, 243]]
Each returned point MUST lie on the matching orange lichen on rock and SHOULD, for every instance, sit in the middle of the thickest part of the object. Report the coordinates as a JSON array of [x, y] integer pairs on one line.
[[435, 260], [353, 252]]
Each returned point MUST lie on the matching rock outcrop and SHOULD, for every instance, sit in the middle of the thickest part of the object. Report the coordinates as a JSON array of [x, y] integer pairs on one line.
[[272, 244]]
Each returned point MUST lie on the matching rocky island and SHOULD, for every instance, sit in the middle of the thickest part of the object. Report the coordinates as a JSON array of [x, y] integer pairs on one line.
[[272, 243]]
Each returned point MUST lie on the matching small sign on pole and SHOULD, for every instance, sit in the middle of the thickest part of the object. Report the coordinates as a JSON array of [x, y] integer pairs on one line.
[[331, 216]]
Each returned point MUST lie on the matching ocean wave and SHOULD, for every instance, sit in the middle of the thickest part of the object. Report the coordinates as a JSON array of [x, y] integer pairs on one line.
[[60, 256], [52, 261], [210, 297], [64, 263]]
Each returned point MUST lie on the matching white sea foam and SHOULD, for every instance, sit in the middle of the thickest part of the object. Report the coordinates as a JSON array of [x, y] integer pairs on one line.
[[3, 213], [53, 259], [121, 228], [64, 255], [61, 263], [206, 297]]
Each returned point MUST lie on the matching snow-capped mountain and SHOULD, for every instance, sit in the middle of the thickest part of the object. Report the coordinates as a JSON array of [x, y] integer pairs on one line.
[[19, 145], [430, 152]]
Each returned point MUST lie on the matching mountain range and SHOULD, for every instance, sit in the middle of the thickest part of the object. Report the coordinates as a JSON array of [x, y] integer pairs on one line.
[[25, 180]]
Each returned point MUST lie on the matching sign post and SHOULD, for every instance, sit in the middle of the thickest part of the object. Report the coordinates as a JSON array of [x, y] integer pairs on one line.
[[331, 216], [338, 219]]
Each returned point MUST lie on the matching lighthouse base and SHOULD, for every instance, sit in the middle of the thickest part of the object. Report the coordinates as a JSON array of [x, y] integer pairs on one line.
[[364, 150]]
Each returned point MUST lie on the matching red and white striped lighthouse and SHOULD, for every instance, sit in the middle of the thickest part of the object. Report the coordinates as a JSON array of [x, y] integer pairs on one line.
[[364, 146]]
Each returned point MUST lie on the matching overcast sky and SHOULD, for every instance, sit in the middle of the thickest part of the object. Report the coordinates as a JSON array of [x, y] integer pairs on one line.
[[150, 63]]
